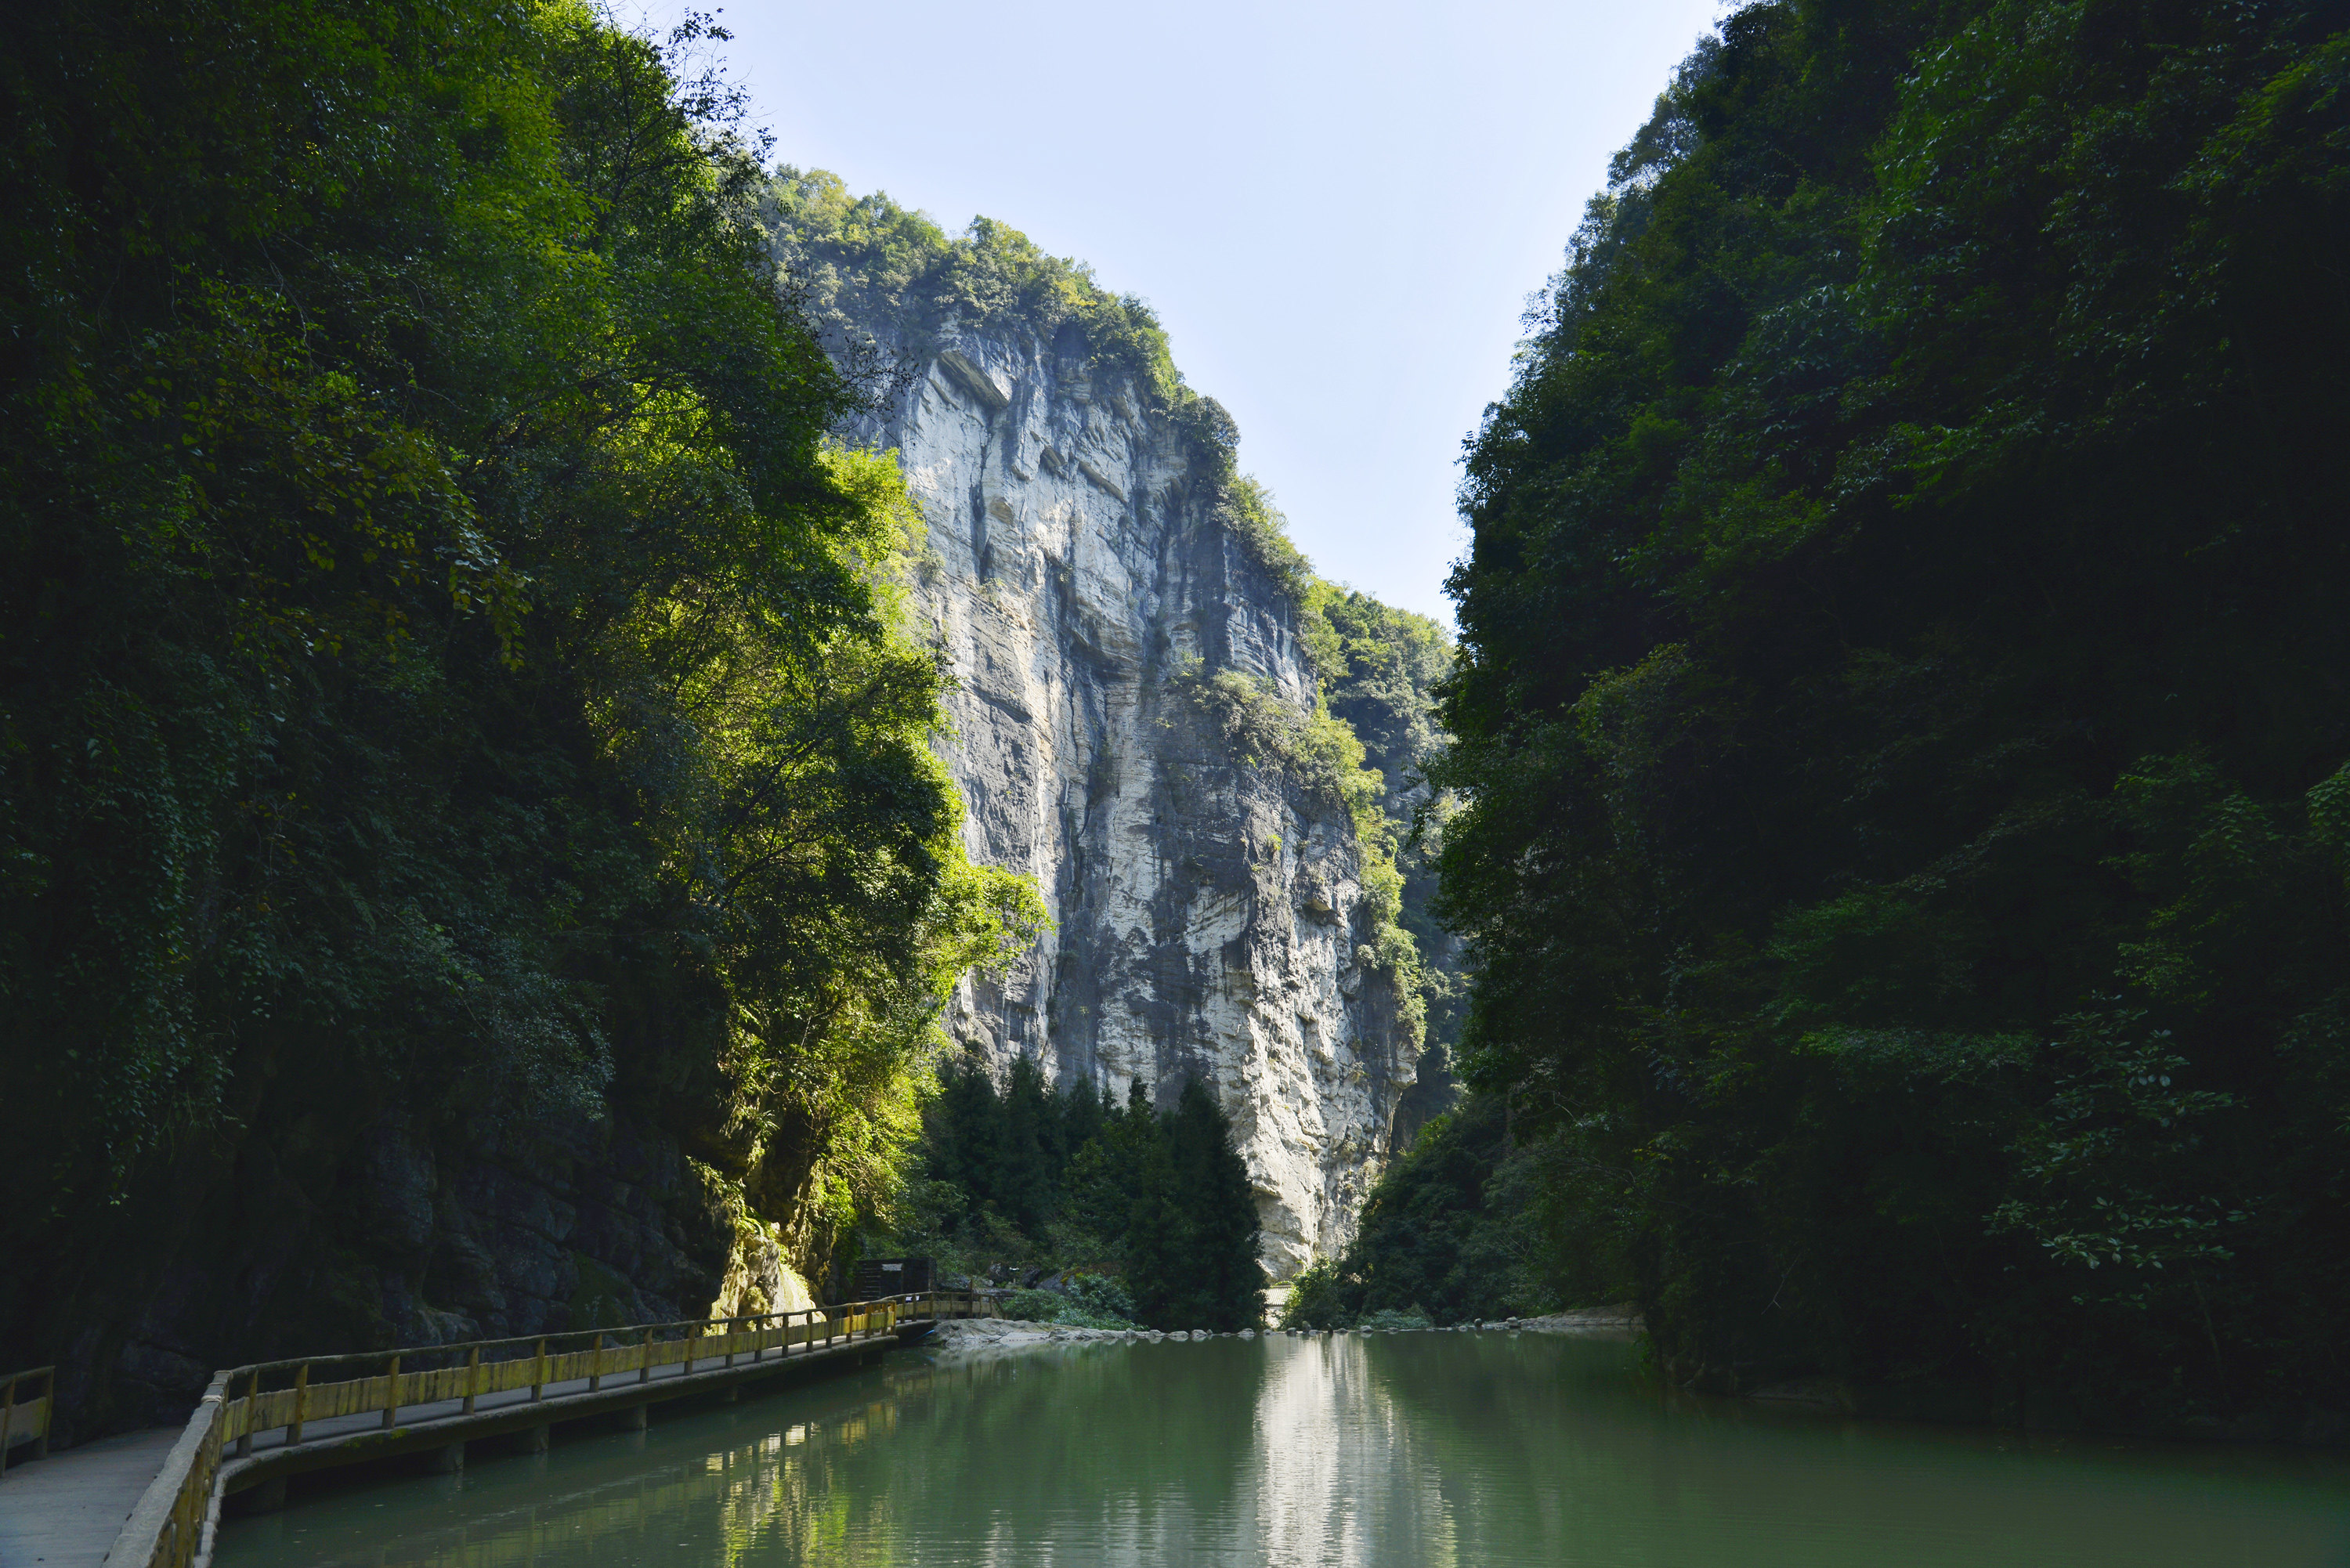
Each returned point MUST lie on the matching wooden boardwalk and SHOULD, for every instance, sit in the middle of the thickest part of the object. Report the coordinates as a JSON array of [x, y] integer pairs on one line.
[[63, 1511], [150, 1498]]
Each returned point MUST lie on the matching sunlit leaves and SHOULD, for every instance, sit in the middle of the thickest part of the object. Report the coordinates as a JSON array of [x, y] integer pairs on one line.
[[450, 676]]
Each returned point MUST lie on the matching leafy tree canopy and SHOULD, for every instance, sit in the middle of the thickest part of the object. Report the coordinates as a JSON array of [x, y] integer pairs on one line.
[[445, 667], [1899, 706]]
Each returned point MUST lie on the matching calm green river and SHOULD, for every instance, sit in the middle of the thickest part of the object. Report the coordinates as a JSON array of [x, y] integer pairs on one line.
[[1478, 1450]]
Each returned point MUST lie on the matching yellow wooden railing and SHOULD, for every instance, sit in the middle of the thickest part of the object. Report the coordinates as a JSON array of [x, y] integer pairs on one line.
[[502, 1365], [23, 1420], [171, 1523]]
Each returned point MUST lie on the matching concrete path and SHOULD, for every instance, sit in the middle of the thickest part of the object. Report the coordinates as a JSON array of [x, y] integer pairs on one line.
[[63, 1511]]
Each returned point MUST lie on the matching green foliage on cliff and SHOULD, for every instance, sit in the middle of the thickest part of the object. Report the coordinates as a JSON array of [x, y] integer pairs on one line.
[[1380, 668], [866, 258], [1380, 671], [1363, 747], [1900, 708], [1023, 1180], [444, 669], [1247, 512], [1316, 752]]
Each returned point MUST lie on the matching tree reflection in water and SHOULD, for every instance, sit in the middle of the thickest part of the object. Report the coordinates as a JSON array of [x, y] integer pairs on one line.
[[1433, 1448]]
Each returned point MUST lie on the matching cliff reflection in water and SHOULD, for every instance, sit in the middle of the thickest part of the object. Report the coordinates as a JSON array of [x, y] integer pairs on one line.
[[1427, 1449]]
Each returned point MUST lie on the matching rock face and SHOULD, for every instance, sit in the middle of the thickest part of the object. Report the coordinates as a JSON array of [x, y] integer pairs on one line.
[[1211, 917], [322, 1239]]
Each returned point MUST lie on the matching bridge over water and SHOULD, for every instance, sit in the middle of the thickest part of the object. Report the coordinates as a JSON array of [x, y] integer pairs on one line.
[[153, 1498]]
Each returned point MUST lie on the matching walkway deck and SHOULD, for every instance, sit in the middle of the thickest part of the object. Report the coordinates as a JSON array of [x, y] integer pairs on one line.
[[63, 1511]]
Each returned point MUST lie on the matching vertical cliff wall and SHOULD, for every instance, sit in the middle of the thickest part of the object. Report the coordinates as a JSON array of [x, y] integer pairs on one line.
[[1085, 575], [1210, 911]]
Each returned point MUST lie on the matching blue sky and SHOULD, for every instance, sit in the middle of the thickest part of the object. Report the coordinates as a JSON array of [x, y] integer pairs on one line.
[[1338, 211]]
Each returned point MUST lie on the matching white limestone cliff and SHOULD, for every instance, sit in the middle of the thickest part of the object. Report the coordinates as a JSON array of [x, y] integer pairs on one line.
[[1210, 916]]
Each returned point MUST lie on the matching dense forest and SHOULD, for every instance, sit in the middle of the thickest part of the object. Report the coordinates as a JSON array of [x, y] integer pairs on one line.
[[1900, 725], [1131, 1214], [450, 681]]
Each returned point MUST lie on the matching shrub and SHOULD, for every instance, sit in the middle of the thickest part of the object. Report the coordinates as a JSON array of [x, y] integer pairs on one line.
[[1087, 1301], [1314, 1299], [1392, 1321], [1033, 1306], [1098, 1300]]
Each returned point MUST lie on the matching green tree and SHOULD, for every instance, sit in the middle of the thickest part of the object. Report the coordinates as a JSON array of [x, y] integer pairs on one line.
[[1895, 708], [1158, 1250], [1106, 1172], [448, 676], [1028, 1182], [1223, 1281], [1192, 1243]]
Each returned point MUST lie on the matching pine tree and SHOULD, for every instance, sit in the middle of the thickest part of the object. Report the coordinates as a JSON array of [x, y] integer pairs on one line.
[[1103, 1177], [1029, 1175], [1192, 1244], [1084, 1111], [1225, 1284], [1166, 1192], [1157, 1254], [964, 1130]]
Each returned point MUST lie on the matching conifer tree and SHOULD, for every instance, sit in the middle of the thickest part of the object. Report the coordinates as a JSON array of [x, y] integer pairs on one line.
[[1224, 1283], [1156, 1250], [964, 1135], [1166, 1193], [1191, 1247], [1083, 1114], [1029, 1175], [1105, 1174]]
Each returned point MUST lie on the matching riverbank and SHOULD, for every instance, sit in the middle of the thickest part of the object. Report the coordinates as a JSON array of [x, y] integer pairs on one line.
[[1623, 1319], [977, 1337]]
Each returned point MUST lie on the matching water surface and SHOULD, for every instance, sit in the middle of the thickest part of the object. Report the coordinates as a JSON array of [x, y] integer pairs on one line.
[[1433, 1448]]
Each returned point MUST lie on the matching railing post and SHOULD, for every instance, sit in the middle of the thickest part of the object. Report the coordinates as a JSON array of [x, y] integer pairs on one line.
[[538, 1372], [252, 1409], [645, 1367], [473, 1377], [730, 1343], [301, 1405], [595, 1366], [391, 1393], [7, 1419], [691, 1334], [197, 1499]]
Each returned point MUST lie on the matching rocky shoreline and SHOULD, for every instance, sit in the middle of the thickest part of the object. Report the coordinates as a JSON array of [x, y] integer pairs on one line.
[[976, 1336]]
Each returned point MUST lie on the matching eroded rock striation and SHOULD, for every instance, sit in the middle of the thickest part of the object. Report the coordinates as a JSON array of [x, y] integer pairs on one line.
[[1212, 917]]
